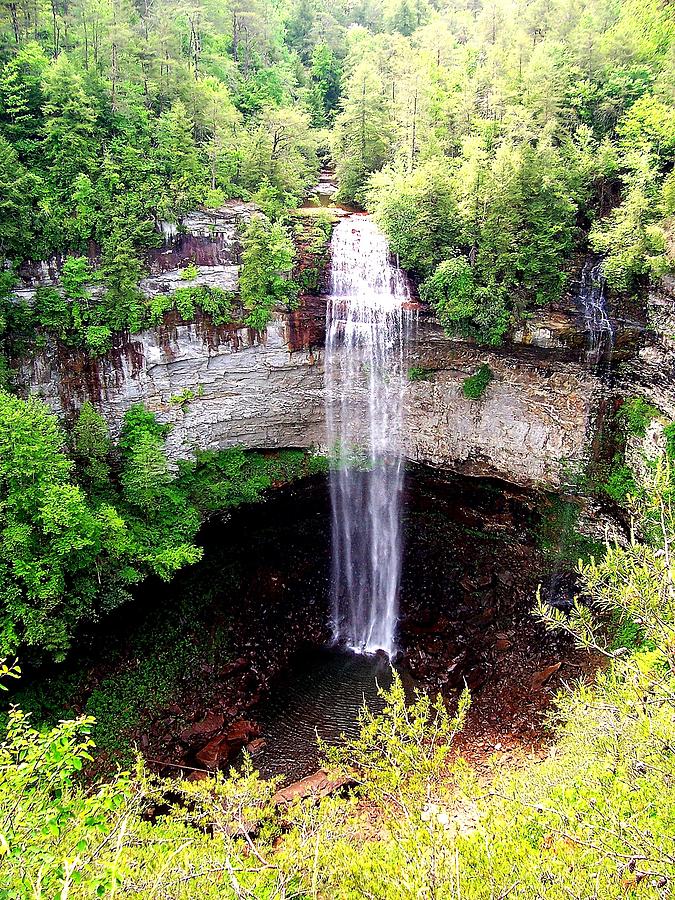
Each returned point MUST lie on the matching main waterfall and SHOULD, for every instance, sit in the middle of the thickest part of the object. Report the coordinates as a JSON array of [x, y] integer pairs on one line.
[[366, 329]]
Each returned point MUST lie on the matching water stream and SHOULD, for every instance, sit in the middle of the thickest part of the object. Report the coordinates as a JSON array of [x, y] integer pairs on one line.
[[594, 306], [367, 321]]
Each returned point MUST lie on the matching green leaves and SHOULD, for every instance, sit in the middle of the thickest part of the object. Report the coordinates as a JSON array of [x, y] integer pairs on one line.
[[265, 279]]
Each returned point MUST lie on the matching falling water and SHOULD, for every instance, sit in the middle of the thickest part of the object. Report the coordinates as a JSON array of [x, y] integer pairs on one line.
[[366, 329], [594, 306]]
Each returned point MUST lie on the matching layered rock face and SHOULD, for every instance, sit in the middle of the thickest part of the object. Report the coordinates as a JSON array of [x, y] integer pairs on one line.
[[229, 385], [533, 422], [651, 372]]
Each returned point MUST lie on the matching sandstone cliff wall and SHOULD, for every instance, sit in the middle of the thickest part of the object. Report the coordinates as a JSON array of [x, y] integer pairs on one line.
[[228, 385]]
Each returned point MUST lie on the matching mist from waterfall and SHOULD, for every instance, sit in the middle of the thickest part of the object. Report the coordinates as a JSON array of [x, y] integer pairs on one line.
[[366, 328]]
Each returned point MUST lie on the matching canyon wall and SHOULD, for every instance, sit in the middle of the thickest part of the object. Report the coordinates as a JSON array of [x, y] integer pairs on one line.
[[228, 385]]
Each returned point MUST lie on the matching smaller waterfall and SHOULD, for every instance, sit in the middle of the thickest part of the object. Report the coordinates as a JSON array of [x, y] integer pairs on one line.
[[365, 380], [594, 306]]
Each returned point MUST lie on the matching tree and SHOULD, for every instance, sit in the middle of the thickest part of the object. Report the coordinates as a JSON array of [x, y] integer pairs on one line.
[[633, 243], [418, 213], [22, 99], [70, 145], [361, 139], [267, 263], [91, 449], [281, 153], [51, 538], [325, 86], [179, 163], [19, 221]]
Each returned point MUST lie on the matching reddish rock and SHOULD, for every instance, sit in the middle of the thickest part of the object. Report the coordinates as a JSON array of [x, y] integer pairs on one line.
[[237, 666], [242, 732], [256, 746], [317, 785], [209, 725], [222, 748], [502, 642], [540, 678]]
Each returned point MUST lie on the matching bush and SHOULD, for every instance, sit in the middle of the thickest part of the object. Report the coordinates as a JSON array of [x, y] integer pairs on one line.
[[635, 415], [214, 301], [620, 484], [419, 373], [475, 385]]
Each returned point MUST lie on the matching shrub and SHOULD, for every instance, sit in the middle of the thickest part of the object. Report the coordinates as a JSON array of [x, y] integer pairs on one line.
[[190, 272], [265, 279], [620, 484], [451, 291], [98, 339], [635, 415], [213, 301], [419, 373], [475, 385]]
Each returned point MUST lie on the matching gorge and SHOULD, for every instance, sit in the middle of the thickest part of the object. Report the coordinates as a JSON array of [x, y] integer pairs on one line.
[[337, 449], [463, 557]]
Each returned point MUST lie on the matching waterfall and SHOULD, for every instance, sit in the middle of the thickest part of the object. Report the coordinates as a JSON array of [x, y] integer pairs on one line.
[[594, 306], [366, 327]]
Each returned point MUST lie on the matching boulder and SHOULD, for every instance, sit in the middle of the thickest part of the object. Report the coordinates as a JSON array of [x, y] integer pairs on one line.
[[220, 749], [317, 785], [210, 724]]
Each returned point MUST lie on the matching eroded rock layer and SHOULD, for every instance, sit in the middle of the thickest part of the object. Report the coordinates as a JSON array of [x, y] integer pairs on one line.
[[228, 385]]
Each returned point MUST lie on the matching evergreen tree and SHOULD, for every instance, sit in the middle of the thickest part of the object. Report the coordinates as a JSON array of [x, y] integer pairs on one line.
[[362, 131]]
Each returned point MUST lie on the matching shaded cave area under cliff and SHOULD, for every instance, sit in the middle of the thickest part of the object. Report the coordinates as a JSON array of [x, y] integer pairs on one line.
[[232, 651]]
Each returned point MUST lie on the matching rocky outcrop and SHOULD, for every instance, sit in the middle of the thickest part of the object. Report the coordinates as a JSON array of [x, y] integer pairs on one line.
[[651, 371], [217, 386], [533, 420], [226, 385]]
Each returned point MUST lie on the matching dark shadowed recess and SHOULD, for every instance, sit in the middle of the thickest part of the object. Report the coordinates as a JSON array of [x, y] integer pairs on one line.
[[237, 639]]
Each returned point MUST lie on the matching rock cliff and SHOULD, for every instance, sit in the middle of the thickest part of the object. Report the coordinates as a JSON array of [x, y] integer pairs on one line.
[[226, 385]]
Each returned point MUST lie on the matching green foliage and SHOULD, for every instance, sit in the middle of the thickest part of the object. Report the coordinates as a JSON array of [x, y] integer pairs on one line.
[[405, 747], [419, 373], [669, 434], [214, 301], [559, 538], [190, 272], [636, 414], [312, 241], [418, 212], [594, 818], [75, 276], [217, 481], [70, 551], [451, 291], [76, 537], [49, 826], [265, 281], [633, 241], [620, 482], [475, 386], [91, 447], [183, 399], [325, 85], [362, 134], [53, 541]]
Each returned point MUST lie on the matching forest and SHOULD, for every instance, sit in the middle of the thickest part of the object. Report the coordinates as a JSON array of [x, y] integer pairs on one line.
[[495, 143]]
